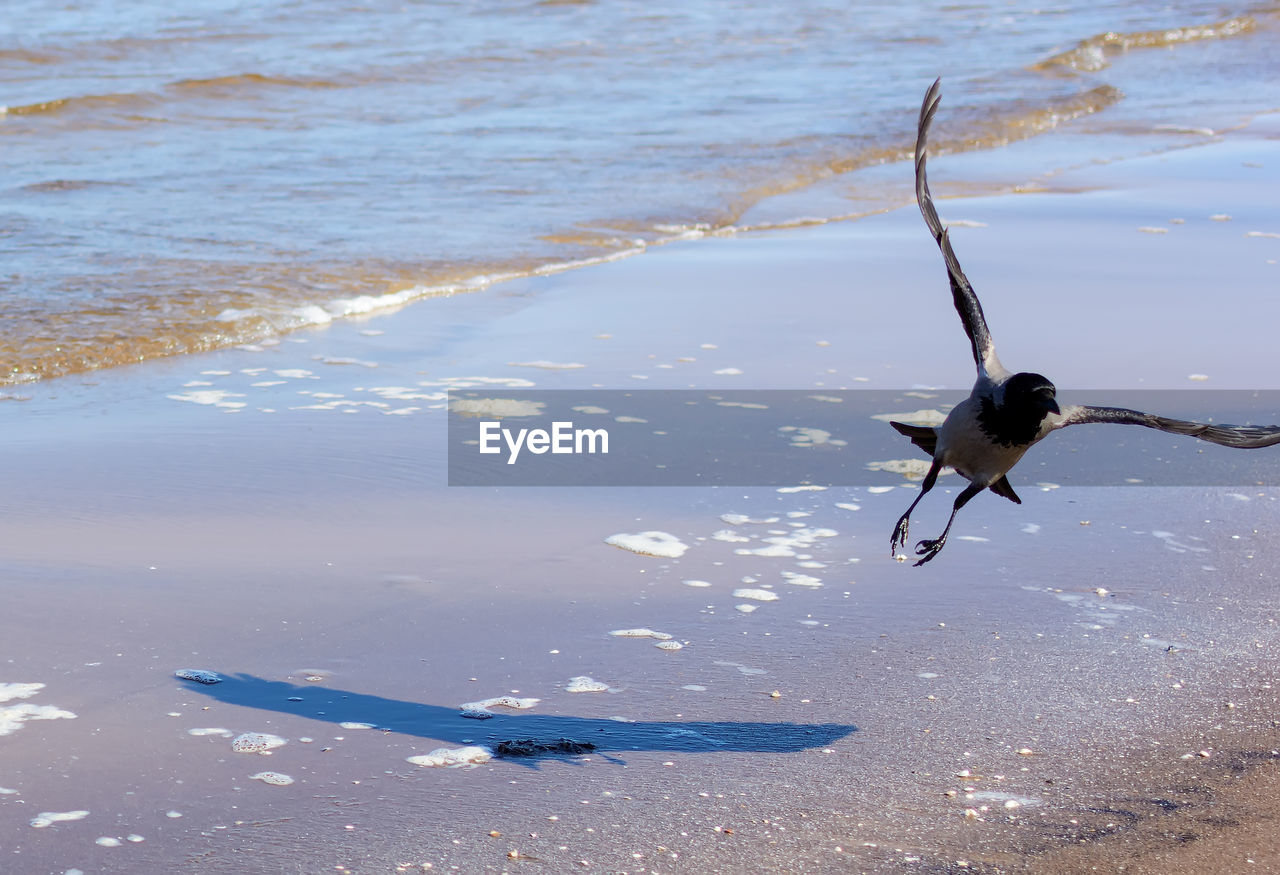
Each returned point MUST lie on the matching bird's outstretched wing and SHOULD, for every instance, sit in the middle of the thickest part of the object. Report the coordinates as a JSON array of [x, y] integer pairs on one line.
[[975, 324], [1243, 436]]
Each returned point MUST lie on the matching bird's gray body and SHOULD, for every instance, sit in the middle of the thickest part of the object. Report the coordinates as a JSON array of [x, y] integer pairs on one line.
[[986, 434]]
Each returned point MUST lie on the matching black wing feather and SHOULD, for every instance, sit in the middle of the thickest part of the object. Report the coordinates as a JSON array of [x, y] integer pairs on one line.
[[1242, 436], [975, 323]]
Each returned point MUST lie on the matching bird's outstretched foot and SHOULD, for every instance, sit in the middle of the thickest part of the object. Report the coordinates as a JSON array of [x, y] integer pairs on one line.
[[926, 550], [899, 537]]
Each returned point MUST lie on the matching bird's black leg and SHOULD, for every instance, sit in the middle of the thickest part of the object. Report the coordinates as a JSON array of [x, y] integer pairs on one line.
[[928, 549], [899, 538]]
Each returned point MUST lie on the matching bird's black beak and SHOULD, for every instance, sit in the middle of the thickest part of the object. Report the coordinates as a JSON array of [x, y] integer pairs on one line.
[[1051, 404]]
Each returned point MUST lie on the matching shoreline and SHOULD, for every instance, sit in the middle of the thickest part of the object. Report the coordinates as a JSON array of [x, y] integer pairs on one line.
[[310, 541]]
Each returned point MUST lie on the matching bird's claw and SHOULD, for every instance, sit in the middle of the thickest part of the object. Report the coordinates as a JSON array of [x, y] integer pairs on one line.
[[899, 537], [926, 550]]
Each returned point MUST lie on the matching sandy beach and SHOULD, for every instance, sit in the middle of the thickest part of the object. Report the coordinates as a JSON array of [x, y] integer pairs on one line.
[[1085, 682]]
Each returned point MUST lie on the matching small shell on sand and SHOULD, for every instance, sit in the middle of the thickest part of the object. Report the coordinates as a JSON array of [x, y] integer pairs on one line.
[[198, 675]]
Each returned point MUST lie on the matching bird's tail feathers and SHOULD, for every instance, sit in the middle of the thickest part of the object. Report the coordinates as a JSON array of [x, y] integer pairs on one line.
[[924, 437]]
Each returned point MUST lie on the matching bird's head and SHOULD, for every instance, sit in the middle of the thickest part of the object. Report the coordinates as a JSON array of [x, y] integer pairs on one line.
[[1032, 393]]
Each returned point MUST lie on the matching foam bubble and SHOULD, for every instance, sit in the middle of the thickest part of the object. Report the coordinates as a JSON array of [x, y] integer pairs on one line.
[[548, 366], [584, 684], [699, 584], [746, 609], [108, 842], [48, 818], [912, 469], [256, 742], [211, 397], [444, 757], [805, 436], [275, 779], [496, 408], [759, 595], [795, 578], [13, 716], [660, 544], [669, 645], [481, 708], [641, 633], [729, 536], [927, 416], [776, 551], [740, 519], [211, 730]]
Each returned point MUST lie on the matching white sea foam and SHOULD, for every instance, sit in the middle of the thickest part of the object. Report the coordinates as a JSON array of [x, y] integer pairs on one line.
[[729, 536], [256, 742], [927, 416], [48, 818], [584, 684], [796, 579], [699, 584], [12, 717], [660, 544], [210, 397], [548, 366], [481, 708], [344, 360], [275, 779], [741, 519], [746, 609], [804, 437], [759, 595], [912, 469], [495, 408], [641, 633], [210, 730], [443, 757]]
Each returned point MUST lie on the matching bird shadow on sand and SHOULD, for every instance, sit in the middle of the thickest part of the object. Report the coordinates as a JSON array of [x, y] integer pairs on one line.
[[521, 736]]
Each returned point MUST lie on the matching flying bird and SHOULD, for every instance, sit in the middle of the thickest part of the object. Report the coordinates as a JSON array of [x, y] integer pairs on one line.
[[986, 434]]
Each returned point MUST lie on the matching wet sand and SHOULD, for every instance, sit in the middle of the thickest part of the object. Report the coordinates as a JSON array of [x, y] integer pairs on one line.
[[1085, 680]]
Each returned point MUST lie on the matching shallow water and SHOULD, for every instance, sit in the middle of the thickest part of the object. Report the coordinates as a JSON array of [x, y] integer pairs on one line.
[[178, 180]]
